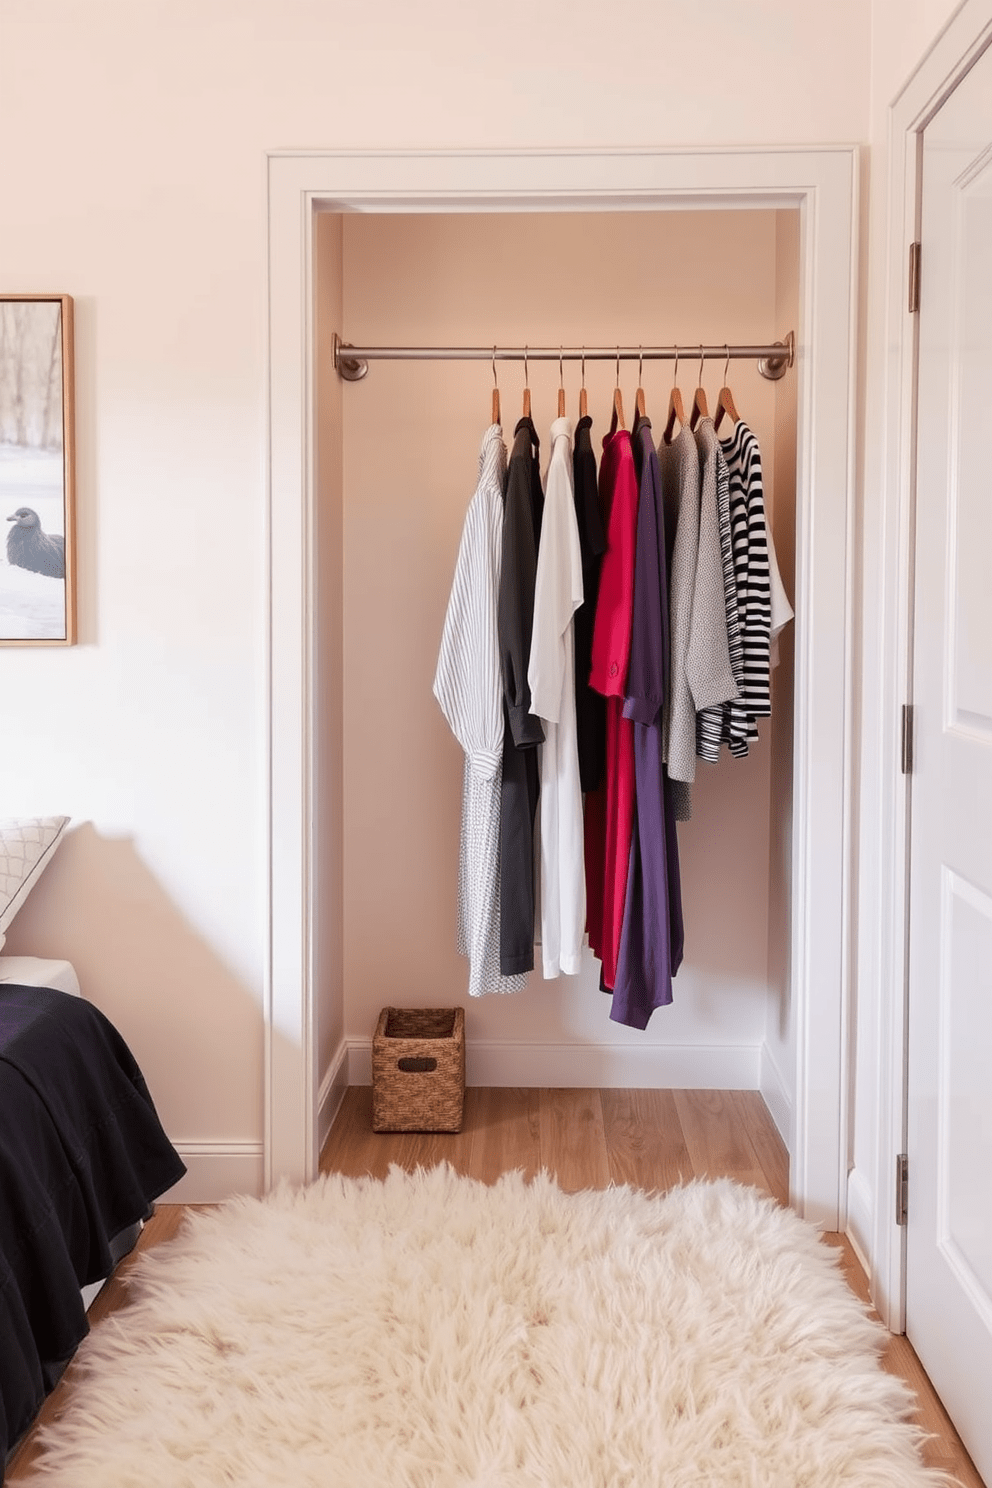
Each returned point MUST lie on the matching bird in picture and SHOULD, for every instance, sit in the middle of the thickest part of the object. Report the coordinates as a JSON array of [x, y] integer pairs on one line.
[[29, 547]]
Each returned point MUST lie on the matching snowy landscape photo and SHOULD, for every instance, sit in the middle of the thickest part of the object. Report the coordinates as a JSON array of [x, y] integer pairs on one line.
[[35, 559]]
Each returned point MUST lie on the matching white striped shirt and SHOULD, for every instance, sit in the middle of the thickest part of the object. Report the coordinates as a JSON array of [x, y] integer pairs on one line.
[[468, 684]]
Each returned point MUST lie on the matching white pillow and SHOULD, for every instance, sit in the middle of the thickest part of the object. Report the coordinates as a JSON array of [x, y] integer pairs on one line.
[[27, 846]]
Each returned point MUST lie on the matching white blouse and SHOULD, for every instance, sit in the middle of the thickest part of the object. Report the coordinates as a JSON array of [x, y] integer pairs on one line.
[[551, 676]]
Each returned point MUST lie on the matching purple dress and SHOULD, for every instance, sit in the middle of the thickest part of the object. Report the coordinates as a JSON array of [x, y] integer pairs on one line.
[[651, 940]]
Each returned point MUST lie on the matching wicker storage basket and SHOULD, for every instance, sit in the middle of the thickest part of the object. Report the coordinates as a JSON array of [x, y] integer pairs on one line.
[[418, 1070]]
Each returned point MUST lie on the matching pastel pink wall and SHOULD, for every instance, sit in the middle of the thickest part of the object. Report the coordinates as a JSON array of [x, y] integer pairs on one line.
[[411, 440]]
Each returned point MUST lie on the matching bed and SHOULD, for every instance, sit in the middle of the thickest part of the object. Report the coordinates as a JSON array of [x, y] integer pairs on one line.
[[83, 1157]]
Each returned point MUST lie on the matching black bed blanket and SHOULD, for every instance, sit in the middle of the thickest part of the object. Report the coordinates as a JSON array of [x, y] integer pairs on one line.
[[82, 1157]]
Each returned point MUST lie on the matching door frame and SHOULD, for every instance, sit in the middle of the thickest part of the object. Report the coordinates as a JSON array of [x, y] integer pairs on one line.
[[824, 185], [889, 541]]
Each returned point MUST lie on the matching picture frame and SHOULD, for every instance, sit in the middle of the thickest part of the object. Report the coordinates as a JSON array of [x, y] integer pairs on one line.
[[37, 471]]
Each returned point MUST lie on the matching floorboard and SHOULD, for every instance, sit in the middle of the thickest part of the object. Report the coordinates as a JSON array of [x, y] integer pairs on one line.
[[766, 1144], [718, 1142], [508, 1134], [644, 1140], [573, 1139]]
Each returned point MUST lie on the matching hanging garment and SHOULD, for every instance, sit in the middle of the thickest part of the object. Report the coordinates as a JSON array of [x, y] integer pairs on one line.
[[522, 506], [590, 706], [551, 675], [708, 668], [737, 722], [727, 722], [468, 685], [610, 809], [679, 464], [651, 940], [754, 585], [782, 611]]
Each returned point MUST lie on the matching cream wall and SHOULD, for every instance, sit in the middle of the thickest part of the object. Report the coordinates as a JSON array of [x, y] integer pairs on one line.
[[136, 184], [901, 32], [411, 442]]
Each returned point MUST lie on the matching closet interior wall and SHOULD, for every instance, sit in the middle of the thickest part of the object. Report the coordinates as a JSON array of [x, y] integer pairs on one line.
[[405, 459]]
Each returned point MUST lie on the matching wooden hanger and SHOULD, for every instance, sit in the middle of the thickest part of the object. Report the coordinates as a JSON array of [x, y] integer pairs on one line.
[[526, 412], [618, 419], [583, 395], [699, 407], [725, 402], [675, 409], [639, 398], [561, 385], [496, 418]]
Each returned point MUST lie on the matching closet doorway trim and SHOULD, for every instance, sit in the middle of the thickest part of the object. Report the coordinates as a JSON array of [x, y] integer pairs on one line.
[[822, 184]]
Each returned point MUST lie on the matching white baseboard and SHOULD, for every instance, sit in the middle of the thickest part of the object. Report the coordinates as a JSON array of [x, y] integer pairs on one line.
[[216, 1170], [331, 1094], [860, 1216], [777, 1097], [645, 1066]]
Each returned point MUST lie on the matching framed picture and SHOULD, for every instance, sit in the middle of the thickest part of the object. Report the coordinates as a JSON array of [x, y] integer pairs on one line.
[[37, 549]]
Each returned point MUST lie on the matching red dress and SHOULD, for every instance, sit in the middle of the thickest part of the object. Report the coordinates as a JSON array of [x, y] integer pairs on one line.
[[610, 809]]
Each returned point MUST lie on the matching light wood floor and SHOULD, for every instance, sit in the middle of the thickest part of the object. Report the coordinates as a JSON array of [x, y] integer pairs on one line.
[[587, 1139]]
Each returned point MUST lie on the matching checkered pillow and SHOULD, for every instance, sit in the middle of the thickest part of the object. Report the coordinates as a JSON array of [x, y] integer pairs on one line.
[[27, 845]]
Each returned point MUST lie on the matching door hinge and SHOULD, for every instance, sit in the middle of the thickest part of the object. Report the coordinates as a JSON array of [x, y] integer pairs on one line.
[[902, 1188], [914, 278], [906, 755]]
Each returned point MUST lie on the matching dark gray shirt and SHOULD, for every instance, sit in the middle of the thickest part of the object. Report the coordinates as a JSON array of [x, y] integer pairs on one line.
[[523, 504]]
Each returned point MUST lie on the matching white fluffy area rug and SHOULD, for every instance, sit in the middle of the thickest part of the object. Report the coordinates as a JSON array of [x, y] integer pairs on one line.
[[429, 1331]]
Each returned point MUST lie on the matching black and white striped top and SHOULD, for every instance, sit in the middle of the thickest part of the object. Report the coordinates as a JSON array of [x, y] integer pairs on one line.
[[743, 458], [711, 722], [749, 536]]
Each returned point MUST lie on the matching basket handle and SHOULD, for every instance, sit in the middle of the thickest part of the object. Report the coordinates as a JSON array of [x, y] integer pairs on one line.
[[411, 1066]]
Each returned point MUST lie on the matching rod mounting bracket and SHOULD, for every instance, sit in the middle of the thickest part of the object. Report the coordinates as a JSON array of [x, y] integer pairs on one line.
[[776, 367], [352, 369]]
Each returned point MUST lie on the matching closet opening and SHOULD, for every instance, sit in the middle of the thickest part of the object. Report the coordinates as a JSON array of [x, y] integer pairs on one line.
[[397, 461], [327, 892]]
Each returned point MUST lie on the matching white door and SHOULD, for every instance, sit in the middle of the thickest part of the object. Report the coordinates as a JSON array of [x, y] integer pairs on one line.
[[949, 1239]]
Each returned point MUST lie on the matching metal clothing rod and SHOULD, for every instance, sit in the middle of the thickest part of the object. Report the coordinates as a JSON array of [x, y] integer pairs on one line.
[[351, 362]]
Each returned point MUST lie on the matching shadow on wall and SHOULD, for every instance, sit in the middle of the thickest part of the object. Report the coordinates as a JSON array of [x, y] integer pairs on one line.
[[194, 1027]]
